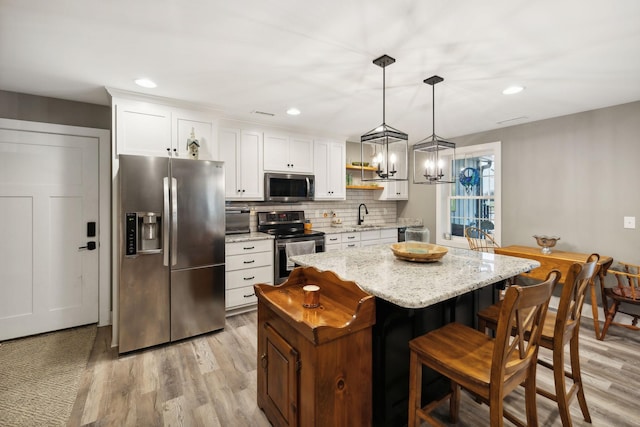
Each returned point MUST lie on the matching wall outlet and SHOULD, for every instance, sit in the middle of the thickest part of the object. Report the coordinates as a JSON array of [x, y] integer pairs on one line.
[[629, 222]]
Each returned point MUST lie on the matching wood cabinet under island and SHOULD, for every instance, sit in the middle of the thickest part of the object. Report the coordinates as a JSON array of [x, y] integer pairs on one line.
[[314, 362], [412, 299]]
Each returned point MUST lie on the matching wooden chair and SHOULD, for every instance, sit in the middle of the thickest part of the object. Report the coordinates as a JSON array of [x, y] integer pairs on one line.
[[489, 368], [479, 240], [483, 242], [627, 292], [560, 328]]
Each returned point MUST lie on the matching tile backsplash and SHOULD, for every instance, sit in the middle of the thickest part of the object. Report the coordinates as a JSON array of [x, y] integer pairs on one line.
[[380, 212]]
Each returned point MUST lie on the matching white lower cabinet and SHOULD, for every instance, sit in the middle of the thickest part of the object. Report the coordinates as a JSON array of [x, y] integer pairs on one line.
[[357, 239], [351, 240], [246, 263], [389, 235], [332, 242], [369, 237]]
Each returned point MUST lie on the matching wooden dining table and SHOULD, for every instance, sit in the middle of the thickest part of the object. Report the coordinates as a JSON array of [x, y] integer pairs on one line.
[[560, 260]]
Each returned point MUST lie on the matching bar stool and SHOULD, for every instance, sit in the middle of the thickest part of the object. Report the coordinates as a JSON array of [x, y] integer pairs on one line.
[[560, 328], [488, 367]]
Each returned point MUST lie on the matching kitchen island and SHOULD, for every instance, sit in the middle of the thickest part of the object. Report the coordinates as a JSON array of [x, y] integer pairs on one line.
[[412, 299]]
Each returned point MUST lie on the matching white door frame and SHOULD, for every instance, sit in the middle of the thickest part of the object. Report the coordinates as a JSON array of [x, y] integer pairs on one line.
[[104, 201]]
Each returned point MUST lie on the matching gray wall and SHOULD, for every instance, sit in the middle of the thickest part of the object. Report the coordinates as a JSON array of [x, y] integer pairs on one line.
[[21, 106], [575, 176]]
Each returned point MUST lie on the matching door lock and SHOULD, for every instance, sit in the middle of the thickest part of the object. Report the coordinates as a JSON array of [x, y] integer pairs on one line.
[[90, 246]]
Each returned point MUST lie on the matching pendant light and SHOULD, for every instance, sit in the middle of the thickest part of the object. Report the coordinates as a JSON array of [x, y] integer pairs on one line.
[[433, 158], [385, 147]]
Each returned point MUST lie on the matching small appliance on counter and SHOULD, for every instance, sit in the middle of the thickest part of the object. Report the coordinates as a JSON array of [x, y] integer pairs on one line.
[[237, 219]]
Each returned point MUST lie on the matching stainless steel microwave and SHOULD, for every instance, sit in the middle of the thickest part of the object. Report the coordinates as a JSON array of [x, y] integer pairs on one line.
[[288, 188]]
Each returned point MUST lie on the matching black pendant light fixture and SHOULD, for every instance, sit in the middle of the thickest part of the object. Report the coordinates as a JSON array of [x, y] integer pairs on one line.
[[385, 147], [433, 157]]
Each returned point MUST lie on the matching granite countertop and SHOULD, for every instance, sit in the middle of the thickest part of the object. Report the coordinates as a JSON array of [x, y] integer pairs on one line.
[[417, 285], [246, 237], [345, 228]]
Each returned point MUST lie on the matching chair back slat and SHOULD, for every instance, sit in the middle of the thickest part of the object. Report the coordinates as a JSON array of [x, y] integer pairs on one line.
[[479, 240], [522, 311], [579, 278]]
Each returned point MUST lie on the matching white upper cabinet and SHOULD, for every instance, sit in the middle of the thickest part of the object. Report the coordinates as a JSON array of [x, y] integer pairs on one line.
[[202, 126], [394, 190], [142, 128], [284, 153], [329, 169], [146, 128], [242, 152]]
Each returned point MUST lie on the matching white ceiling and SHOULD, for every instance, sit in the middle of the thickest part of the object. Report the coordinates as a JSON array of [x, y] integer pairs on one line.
[[267, 55]]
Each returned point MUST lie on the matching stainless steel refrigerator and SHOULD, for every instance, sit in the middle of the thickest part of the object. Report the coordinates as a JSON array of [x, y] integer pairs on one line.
[[171, 283]]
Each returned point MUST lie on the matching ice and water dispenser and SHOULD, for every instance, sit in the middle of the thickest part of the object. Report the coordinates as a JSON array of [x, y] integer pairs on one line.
[[143, 233]]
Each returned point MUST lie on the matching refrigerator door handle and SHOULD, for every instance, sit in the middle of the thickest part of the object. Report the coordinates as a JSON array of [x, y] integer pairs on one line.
[[165, 221], [174, 221]]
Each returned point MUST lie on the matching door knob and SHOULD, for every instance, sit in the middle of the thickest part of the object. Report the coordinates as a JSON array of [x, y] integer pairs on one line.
[[90, 246]]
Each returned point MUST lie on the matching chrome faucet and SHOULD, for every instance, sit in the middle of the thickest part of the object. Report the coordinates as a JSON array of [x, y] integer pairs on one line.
[[360, 217]]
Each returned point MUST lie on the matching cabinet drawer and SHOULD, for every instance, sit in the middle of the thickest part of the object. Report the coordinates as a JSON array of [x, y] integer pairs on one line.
[[388, 233], [237, 248], [370, 235], [332, 239], [240, 296], [350, 237], [350, 245], [249, 260], [332, 247], [250, 276]]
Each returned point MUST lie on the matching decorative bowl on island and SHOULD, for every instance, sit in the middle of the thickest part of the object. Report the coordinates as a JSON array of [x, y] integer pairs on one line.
[[418, 251], [546, 242]]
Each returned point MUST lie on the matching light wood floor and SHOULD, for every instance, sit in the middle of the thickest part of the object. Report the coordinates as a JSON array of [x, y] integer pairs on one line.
[[211, 381]]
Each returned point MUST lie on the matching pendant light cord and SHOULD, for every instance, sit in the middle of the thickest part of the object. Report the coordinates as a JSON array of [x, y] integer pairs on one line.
[[433, 110], [384, 101]]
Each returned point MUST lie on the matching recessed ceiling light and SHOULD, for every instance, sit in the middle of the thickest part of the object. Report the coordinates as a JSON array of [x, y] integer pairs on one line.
[[146, 83], [293, 111], [511, 90]]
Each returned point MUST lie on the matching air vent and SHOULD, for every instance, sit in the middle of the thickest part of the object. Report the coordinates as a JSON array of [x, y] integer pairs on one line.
[[263, 113]]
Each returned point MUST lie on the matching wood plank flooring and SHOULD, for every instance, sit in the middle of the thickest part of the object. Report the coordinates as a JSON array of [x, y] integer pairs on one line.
[[211, 381]]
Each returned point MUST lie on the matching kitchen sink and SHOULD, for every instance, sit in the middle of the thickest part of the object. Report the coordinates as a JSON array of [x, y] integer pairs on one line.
[[366, 226]]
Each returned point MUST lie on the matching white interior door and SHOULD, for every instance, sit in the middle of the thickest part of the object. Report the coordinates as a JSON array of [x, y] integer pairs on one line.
[[48, 194]]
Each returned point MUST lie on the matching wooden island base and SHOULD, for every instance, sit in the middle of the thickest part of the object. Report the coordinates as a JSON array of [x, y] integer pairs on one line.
[[314, 364]]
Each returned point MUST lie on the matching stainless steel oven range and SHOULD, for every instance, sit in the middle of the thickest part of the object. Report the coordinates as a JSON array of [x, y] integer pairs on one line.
[[288, 228]]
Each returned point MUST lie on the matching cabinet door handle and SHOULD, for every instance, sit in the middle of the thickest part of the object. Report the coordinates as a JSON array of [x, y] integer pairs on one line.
[[249, 248], [333, 240], [250, 278], [249, 262], [264, 361], [351, 237], [250, 295]]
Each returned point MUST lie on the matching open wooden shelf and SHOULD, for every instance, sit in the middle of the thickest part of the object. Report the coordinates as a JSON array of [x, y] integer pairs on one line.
[[367, 168], [364, 187]]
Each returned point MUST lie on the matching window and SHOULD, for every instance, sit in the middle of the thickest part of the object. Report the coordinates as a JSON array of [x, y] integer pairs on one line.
[[474, 200]]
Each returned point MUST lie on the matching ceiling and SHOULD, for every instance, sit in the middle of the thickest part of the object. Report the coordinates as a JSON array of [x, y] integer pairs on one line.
[[268, 55]]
